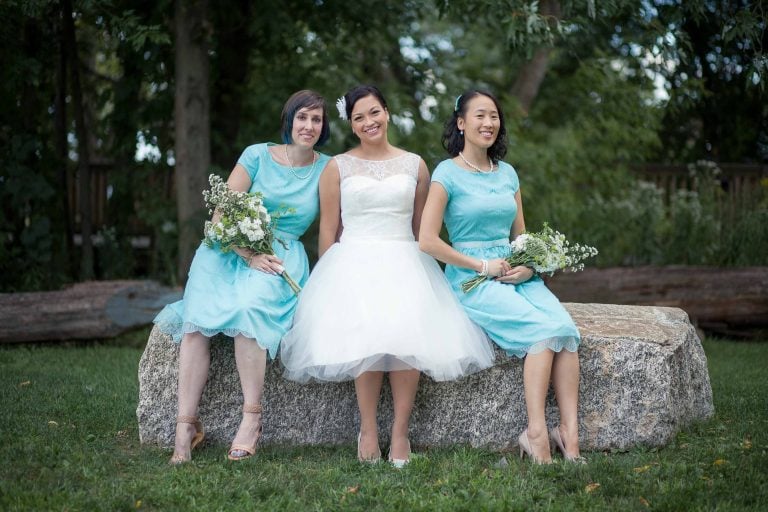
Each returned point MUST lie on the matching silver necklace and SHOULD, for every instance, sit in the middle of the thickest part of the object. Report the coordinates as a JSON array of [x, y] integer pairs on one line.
[[293, 171], [476, 168]]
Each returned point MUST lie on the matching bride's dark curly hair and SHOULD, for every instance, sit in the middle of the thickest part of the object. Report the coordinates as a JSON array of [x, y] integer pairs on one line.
[[453, 141]]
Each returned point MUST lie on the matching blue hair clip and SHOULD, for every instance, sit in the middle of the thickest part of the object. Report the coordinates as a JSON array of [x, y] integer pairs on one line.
[[456, 105]]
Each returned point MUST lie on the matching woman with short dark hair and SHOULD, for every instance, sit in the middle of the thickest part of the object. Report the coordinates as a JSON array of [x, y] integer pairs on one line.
[[241, 293]]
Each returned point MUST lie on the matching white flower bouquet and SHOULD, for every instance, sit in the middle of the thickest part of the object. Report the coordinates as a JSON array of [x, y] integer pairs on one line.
[[546, 252], [243, 221]]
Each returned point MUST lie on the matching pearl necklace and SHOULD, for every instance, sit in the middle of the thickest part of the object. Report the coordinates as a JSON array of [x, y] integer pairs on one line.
[[476, 168], [293, 171]]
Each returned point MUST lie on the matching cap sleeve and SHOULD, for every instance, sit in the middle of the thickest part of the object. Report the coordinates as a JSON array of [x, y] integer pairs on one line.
[[512, 174], [442, 176], [251, 159]]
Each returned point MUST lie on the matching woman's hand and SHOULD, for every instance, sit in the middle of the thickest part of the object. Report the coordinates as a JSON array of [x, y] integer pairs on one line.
[[497, 267], [516, 275], [267, 263]]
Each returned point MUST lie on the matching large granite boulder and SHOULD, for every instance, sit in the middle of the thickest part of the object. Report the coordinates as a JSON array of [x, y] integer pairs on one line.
[[644, 377]]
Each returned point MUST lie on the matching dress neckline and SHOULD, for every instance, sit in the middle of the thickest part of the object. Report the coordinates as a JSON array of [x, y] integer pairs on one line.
[[469, 171], [272, 158], [368, 160]]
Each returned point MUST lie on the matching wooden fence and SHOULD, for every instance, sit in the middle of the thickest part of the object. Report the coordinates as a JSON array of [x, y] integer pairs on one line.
[[741, 183]]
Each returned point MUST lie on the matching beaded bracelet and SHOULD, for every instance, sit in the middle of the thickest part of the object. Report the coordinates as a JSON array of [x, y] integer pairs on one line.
[[484, 271]]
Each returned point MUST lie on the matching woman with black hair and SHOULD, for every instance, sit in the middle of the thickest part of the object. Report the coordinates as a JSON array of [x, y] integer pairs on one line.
[[374, 302], [478, 197], [241, 293]]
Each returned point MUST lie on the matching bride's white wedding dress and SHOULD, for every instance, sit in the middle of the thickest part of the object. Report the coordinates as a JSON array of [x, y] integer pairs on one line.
[[374, 301]]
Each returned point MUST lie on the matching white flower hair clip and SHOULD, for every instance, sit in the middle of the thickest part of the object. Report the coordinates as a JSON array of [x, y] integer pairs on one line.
[[341, 105]]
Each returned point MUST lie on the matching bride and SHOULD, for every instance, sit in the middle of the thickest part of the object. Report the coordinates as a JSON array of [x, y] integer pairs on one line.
[[375, 303]]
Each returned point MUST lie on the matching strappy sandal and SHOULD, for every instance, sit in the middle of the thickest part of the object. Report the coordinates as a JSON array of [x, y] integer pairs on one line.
[[249, 450], [196, 440]]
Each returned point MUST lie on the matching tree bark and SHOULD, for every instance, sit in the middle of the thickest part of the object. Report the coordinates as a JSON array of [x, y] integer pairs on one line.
[[91, 310], [729, 301], [192, 118], [532, 73], [234, 40], [83, 155], [60, 126]]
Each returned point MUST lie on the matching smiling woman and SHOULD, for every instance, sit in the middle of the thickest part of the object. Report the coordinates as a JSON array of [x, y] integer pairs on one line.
[[375, 303], [478, 196], [240, 293]]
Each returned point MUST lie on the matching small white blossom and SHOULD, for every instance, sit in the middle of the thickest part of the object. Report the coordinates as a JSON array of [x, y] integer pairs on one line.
[[341, 106]]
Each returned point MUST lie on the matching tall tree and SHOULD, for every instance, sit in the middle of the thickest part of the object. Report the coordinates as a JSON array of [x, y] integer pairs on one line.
[[192, 118], [531, 73], [83, 152]]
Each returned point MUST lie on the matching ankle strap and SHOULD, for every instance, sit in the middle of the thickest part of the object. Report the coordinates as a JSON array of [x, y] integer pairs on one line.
[[252, 408], [186, 419]]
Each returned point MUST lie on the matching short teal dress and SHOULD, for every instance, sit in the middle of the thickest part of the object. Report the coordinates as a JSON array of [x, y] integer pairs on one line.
[[521, 319], [224, 295]]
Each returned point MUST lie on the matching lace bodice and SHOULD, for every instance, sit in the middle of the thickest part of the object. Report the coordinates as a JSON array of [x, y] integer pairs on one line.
[[377, 196]]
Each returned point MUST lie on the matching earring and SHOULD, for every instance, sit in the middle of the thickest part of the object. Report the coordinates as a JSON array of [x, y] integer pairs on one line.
[[461, 132]]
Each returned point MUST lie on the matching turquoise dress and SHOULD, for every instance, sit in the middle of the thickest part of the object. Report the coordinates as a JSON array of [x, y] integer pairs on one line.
[[521, 319], [223, 294]]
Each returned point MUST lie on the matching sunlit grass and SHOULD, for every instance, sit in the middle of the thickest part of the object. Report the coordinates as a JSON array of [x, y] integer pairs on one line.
[[70, 442]]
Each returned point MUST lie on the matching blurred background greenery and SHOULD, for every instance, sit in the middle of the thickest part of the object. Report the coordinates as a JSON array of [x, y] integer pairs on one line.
[[637, 127]]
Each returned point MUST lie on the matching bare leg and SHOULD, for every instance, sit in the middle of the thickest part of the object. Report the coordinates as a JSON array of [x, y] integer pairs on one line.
[[251, 362], [368, 389], [565, 380], [536, 373], [194, 360], [404, 385]]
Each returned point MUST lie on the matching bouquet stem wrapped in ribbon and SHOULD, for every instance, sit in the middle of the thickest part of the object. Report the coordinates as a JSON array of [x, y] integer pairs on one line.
[[243, 221], [546, 252]]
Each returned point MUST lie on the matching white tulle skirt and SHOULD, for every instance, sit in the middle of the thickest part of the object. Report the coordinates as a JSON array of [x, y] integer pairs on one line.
[[380, 306]]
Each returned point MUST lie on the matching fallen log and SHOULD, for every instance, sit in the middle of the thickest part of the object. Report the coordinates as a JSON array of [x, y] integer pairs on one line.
[[721, 300], [90, 310]]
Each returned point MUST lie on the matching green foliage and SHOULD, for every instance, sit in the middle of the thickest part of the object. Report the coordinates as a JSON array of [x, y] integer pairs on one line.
[[600, 109], [69, 426], [638, 226]]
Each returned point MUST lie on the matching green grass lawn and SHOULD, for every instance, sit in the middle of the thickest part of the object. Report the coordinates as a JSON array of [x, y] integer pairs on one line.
[[70, 442]]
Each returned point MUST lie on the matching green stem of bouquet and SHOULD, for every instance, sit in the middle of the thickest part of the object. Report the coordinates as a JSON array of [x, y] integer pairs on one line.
[[293, 284], [470, 284], [514, 260]]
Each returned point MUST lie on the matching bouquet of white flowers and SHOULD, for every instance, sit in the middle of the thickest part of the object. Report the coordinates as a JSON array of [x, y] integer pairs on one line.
[[545, 252], [243, 221]]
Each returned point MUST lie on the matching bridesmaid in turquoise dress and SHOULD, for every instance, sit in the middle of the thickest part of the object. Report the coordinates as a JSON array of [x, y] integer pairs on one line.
[[478, 197], [240, 293]]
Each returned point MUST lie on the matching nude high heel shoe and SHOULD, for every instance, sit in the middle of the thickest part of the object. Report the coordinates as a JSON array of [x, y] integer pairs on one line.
[[196, 440], [249, 450], [557, 439], [525, 449]]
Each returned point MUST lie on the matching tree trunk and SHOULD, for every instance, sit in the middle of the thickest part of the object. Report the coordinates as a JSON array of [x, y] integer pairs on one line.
[[60, 124], [91, 310], [234, 40], [731, 301], [532, 73], [192, 118], [83, 155]]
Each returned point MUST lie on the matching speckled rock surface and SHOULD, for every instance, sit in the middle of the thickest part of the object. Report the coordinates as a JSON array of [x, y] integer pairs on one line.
[[644, 377]]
